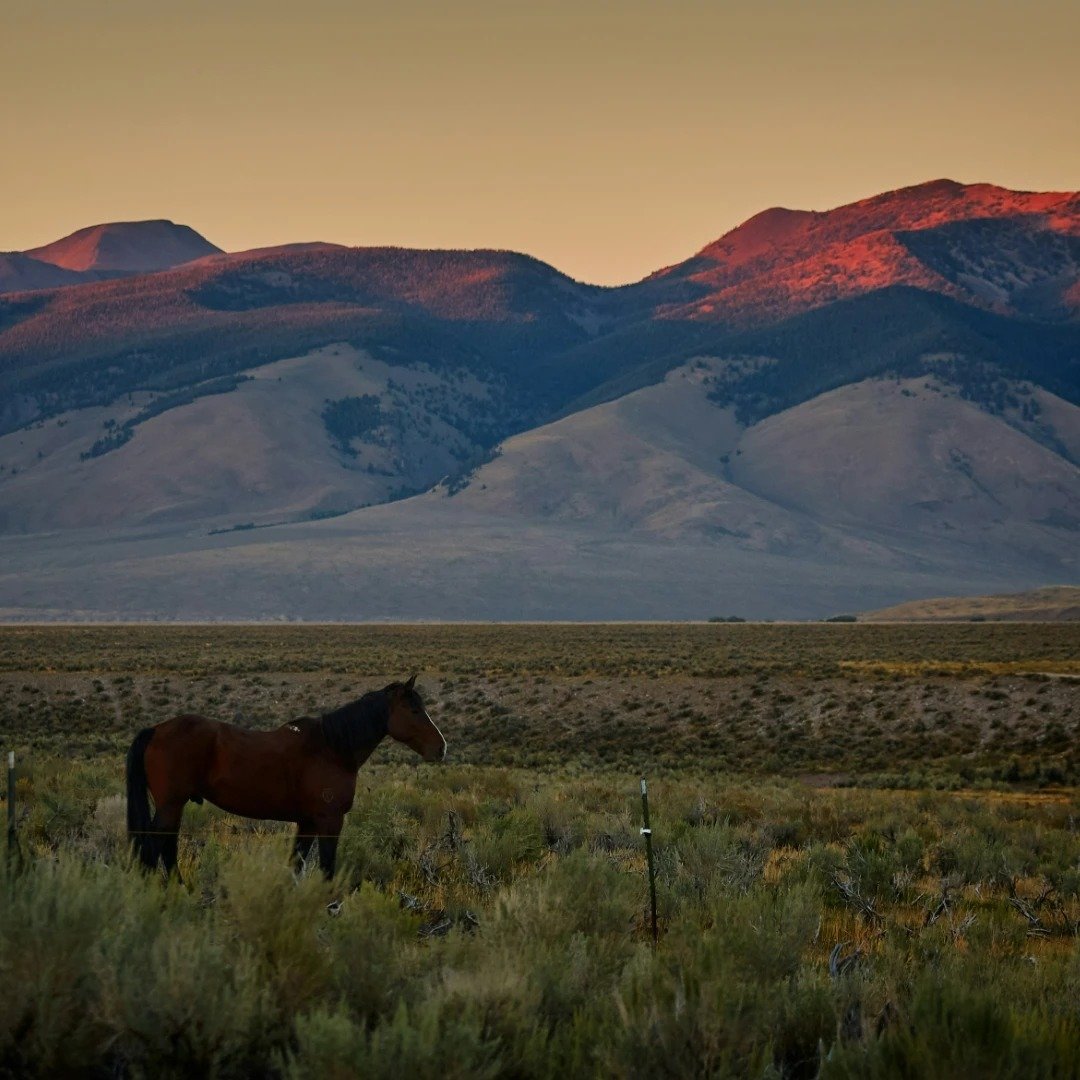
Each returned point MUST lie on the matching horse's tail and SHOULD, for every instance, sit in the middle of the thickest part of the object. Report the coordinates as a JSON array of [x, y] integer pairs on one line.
[[139, 822]]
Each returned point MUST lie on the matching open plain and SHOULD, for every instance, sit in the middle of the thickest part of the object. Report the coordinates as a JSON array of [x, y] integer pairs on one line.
[[866, 836]]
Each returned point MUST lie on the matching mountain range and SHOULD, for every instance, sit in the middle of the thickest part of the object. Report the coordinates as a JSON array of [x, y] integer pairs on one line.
[[819, 411]]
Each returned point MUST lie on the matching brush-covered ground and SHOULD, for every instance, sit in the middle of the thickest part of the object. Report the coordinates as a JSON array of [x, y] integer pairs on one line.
[[868, 858]]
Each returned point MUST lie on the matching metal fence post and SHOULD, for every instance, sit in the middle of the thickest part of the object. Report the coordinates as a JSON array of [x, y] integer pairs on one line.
[[11, 800], [646, 831]]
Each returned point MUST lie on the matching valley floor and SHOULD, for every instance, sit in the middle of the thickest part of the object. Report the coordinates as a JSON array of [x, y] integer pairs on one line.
[[404, 561]]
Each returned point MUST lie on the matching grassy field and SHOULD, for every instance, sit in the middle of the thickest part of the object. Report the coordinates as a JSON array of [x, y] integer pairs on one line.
[[867, 845]]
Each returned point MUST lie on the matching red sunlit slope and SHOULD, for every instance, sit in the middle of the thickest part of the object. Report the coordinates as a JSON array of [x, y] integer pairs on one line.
[[782, 261]]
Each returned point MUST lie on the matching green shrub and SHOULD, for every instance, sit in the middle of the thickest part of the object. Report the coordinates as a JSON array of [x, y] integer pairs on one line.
[[956, 1028], [417, 1044]]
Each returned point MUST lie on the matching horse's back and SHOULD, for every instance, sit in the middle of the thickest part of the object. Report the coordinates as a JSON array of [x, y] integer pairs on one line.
[[190, 733], [186, 724], [187, 730]]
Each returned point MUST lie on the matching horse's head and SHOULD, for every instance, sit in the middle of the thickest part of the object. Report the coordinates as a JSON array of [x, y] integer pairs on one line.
[[410, 724]]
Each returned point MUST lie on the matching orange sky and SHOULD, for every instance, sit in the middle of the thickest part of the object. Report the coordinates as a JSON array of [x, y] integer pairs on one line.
[[606, 138]]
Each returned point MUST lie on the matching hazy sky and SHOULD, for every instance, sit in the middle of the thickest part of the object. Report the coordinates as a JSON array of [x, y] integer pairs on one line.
[[606, 138]]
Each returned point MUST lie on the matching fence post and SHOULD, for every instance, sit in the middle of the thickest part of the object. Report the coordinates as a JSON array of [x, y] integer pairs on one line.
[[646, 831], [11, 800]]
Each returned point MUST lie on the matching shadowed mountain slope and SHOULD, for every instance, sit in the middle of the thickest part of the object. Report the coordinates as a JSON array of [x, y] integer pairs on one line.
[[483, 310], [319, 434], [21, 273]]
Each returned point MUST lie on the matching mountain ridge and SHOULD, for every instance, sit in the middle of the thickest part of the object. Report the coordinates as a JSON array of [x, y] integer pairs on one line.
[[496, 305]]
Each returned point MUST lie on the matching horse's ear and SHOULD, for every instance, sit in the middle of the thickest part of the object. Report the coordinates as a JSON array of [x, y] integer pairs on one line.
[[412, 681]]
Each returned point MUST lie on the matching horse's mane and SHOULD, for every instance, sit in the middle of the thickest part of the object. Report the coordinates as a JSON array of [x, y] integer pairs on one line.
[[361, 725]]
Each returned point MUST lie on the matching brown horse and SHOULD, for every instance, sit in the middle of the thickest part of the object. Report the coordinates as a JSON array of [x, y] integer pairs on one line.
[[303, 772]]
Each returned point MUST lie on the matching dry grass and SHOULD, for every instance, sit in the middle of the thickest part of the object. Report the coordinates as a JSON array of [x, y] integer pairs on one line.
[[854, 701]]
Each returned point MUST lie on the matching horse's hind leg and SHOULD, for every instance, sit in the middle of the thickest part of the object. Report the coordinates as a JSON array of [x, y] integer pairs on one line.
[[170, 844], [167, 826]]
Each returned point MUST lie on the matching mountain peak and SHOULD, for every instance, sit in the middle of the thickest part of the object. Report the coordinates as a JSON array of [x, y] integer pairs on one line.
[[130, 247], [943, 186], [777, 219], [760, 233]]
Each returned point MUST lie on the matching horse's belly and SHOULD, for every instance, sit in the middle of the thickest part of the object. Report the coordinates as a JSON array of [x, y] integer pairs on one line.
[[252, 795]]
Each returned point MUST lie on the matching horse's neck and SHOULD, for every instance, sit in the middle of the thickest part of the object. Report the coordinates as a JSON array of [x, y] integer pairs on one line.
[[356, 729], [361, 753], [367, 729]]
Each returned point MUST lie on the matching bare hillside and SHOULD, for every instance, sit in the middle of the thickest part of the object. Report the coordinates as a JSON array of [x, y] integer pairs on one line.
[[658, 505], [1055, 603], [895, 470], [323, 433], [912, 458]]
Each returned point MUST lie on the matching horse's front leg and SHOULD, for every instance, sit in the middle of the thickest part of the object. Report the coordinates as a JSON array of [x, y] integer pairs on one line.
[[329, 833], [328, 855]]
